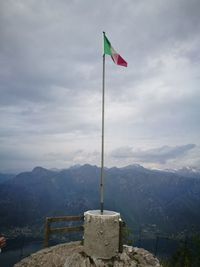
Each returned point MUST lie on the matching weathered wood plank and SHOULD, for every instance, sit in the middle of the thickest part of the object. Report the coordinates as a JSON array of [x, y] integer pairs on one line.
[[49, 230], [65, 218], [66, 229]]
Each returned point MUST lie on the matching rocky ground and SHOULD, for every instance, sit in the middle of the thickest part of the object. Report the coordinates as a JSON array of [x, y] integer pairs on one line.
[[72, 255]]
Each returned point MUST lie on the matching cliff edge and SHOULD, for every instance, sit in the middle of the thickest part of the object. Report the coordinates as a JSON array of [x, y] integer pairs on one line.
[[72, 255]]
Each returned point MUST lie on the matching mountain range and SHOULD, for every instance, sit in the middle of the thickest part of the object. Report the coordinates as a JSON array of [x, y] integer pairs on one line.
[[168, 201]]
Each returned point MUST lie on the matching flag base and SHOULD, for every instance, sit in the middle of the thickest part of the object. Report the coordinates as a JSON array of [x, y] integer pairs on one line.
[[101, 234]]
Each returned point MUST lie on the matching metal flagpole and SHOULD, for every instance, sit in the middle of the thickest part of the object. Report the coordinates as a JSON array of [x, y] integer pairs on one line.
[[102, 137]]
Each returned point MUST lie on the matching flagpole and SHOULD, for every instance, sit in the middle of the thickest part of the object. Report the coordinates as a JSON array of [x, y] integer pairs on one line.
[[102, 138]]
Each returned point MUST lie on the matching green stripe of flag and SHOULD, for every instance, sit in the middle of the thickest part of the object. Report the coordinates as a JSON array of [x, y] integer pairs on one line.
[[107, 46]]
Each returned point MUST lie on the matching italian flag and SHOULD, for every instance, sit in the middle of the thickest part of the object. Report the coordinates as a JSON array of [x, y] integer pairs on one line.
[[109, 50]]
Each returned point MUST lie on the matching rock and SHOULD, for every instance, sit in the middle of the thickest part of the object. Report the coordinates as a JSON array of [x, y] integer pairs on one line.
[[72, 255], [51, 257]]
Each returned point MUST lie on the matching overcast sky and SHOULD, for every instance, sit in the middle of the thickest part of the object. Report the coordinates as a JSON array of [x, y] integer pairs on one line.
[[51, 83]]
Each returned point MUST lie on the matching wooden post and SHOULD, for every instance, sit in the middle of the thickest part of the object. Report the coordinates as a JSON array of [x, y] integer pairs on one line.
[[121, 226], [156, 245], [47, 232]]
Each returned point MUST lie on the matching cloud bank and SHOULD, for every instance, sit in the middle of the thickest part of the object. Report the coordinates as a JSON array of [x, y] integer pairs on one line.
[[51, 75], [157, 155]]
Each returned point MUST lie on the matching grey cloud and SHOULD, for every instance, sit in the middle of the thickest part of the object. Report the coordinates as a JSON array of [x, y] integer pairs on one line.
[[51, 74], [156, 155], [41, 51]]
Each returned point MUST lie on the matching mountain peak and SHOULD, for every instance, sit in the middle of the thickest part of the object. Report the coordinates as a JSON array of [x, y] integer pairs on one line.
[[134, 166], [39, 169]]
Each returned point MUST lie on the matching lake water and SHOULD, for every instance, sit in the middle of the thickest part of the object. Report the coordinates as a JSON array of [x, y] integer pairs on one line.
[[13, 254]]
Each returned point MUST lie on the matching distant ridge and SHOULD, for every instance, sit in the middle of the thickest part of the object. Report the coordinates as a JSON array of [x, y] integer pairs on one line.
[[167, 200]]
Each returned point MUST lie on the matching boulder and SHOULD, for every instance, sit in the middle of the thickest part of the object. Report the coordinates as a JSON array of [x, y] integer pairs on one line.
[[73, 255]]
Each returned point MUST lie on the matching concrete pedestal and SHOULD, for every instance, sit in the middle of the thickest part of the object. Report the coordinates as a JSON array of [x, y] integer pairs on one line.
[[101, 234]]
